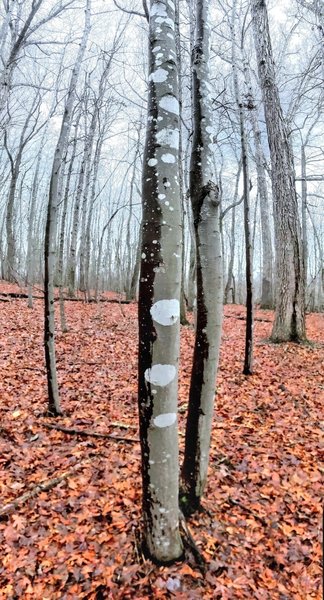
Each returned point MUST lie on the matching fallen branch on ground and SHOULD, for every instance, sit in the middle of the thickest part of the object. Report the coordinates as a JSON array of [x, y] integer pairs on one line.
[[233, 502], [243, 318], [122, 425], [87, 433], [44, 486], [16, 296]]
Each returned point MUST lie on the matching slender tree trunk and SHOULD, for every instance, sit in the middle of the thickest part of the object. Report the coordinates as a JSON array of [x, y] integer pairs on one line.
[[304, 210], [15, 164], [51, 228], [248, 352], [229, 282], [159, 294], [60, 273], [71, 275], [289, 323], [205, 203], [260, 161], [183, 318], [137, 266], [128, 258]]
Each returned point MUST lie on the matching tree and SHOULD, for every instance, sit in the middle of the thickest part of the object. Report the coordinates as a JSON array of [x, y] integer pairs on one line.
[[260, 163], [51, 225], [205, 201], [20, 22], [159, 293], [289, 323], [27, 133]]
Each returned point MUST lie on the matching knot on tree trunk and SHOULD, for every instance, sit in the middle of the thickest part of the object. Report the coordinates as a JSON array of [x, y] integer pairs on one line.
[[211, 189]]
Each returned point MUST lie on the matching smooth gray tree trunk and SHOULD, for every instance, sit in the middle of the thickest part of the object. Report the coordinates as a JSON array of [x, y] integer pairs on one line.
[[206, 211], [159, 293]]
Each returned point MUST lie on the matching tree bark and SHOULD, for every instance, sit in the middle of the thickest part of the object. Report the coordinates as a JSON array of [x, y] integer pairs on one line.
[[206, 210], [248, 352], [289, 322], [51, 228], [267, 293], [159, 294]]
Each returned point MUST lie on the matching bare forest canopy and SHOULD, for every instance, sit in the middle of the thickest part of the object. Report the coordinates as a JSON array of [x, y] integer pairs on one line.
[[99, 210]]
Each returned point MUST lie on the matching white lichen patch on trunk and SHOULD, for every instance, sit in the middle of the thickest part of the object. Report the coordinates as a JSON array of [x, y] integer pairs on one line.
[[168, 137], [168, 158], [170, 104], [166, 312], [159, 75], [165, 420], [160, 375]]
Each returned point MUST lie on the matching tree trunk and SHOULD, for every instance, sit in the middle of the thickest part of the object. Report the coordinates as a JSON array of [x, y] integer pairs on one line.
[[51, 228], [260, 161], [205, 203], [248, 352], [229, 282], [159, 294], [304, 210], [289, 323]]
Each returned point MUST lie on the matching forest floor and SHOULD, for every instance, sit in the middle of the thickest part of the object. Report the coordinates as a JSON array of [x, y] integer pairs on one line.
[[78, 537]]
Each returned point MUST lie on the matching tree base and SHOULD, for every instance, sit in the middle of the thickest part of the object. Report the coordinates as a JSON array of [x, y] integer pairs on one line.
[[189, 505], [147, 554], [54, 412]]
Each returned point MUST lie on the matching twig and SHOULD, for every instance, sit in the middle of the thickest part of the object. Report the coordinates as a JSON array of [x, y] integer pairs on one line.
[[44, 486], [86, 433], [233, 502], [122, 425]]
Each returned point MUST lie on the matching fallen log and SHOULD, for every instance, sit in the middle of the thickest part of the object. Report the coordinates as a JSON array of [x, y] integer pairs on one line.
[[16, 295], [242, 318]]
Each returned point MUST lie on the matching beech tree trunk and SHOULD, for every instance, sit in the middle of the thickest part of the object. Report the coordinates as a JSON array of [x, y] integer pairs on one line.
[[159, 293], [289, 323], [206, 211]]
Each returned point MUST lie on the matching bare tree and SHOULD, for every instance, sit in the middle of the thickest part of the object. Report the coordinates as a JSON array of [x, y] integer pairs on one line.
[[51, 225], [20, 24], [248, 354], [159, 293], [289, 323], [206, 210]]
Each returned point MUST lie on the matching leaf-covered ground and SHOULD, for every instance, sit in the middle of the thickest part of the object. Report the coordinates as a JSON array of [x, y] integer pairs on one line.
[[261, 531]]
